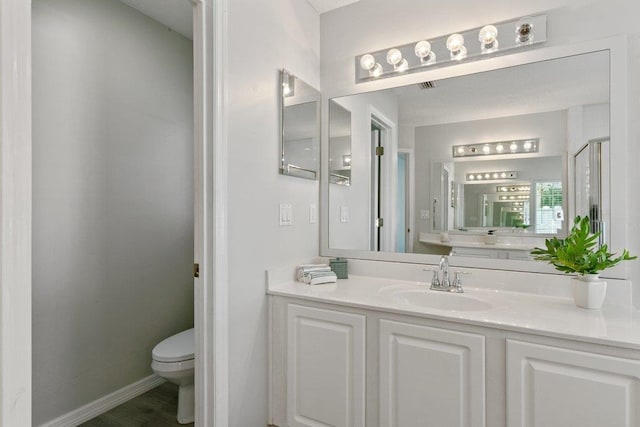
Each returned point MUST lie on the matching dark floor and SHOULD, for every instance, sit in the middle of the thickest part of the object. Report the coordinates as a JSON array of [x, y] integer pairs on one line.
[[155, 408]]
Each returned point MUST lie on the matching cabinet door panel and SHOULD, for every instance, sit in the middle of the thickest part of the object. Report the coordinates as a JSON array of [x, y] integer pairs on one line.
[[430, 377], [325, 368], [555, 387]]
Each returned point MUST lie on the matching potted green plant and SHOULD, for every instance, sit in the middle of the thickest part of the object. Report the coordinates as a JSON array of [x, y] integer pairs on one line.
[[580, 255]]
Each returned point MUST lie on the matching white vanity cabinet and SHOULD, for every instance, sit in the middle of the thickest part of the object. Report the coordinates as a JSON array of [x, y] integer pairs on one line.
[[430, 376], [556, 387], [326, 368]]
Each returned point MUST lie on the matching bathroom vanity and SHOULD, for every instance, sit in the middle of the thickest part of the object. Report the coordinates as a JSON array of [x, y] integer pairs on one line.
[[391, 353]]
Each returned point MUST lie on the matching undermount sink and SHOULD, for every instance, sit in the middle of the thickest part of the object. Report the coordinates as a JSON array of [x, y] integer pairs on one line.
[[440, 300]]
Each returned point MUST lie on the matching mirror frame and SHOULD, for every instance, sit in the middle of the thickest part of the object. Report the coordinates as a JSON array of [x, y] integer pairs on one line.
[[619, 51]]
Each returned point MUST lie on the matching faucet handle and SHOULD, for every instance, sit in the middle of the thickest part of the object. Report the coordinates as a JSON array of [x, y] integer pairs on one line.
[[457, 283], [435, 282]]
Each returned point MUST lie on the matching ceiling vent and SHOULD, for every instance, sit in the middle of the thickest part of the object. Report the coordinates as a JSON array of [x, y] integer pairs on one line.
[[427, 85]]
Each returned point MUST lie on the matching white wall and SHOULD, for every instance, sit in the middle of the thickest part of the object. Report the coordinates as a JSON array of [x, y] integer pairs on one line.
[[264, 36], [370, 25], [112, 198]]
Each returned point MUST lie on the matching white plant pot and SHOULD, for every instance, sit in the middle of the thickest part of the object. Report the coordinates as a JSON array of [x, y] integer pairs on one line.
[[589, 291]]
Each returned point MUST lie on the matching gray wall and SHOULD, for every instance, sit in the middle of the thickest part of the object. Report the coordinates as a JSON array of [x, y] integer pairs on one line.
[[263, 37], [112, 198]]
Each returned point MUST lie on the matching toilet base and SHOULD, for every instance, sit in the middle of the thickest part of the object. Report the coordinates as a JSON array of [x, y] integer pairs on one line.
[[186, 404]]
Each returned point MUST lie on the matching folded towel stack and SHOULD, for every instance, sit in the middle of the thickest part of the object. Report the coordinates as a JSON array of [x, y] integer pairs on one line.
[[316, 274]]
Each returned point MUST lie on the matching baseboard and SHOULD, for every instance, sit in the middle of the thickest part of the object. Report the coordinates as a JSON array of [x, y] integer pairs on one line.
[[102, 405]]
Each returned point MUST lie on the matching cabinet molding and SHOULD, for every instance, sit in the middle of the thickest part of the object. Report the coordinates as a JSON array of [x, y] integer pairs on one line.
[[430, 374], [556, 387], [325, 368]]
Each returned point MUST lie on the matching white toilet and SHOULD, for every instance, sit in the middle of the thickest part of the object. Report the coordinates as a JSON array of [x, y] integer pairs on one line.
[[173, 359]]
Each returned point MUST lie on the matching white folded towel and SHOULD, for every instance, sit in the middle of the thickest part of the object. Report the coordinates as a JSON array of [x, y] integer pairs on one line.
[[304, 269], [320, 277]]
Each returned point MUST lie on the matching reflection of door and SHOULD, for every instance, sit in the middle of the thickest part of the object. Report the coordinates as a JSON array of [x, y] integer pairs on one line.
[[402, 203], [377, 151], [592, 175]]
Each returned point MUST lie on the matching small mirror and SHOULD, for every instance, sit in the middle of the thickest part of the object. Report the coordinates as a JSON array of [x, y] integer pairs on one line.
[[300, 128], [339, 144]]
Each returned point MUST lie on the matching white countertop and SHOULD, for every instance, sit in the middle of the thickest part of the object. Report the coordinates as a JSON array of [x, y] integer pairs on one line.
[[513, 243], [554, 316]]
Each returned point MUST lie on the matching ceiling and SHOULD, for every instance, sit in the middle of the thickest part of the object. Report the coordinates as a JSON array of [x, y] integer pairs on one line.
[[177, 14], [533, 88]]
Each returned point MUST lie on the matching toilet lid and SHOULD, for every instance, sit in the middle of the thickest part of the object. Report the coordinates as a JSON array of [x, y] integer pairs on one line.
[[176, 348]]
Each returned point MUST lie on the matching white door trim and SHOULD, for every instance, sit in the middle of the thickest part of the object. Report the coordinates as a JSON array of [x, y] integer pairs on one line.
[[211, 242], [15, 213]]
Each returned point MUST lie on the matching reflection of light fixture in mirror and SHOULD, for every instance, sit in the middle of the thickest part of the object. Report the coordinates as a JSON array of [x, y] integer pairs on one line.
[[514, 197], [346, 160], [288, 84], [522, 146], [455, 44], [422, 53], [488, 38], [513, 189], [524, 33], [491, 176]]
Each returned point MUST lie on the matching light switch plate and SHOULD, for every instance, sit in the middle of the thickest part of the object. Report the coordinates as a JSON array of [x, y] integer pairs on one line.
[[286, 214], [313, 214], [344, 214]]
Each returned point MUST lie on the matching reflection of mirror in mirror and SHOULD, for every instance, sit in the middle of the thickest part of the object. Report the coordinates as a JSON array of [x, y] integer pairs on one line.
[[300, 136], [523, 196], [339, 144]]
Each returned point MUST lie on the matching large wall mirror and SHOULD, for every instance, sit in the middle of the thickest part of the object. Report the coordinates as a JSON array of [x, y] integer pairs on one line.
[[300, 128], [480, 165]]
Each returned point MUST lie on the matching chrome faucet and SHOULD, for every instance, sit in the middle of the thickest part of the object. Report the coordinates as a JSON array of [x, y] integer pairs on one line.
[[440, 280]]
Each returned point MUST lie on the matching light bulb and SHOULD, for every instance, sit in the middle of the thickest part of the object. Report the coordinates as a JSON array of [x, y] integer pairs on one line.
[[460, 150], [527, 145], [486, 149], [487, 176], [367, 62], [479, 176], [513, 147], [499, 148], [495, 176], [455, 44], [470, 178], [403, 65], [488, 37], [394, 56], [424, 52], [503, 175], [376, 70], [524, 33]]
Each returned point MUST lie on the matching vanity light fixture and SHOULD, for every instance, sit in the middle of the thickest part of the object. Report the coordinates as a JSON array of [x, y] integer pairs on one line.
[[346, 160], [517, 204], [491, 176], [521, 146], [494, 39]]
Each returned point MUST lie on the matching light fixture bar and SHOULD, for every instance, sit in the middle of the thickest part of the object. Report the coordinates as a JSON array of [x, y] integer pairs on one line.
[[473, 44], [514, 197], [520, 146], [513, 188], [491, 176]]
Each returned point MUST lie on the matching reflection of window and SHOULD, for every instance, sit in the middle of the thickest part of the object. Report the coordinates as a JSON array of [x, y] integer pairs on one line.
[[549, 213]]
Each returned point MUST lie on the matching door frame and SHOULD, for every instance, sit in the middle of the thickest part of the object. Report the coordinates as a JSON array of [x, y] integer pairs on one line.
[[210, 195]]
